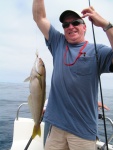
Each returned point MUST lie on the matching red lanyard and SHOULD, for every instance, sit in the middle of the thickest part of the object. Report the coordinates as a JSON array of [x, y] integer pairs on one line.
[[79, 54]]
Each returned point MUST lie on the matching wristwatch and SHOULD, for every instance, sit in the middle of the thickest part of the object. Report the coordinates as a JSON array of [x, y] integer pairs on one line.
[[110, 25]]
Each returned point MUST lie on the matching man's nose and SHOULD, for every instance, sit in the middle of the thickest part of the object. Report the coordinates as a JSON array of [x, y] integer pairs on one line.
[[70, 26]]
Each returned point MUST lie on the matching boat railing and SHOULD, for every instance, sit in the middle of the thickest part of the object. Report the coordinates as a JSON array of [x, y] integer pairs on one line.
[[19, 109], [111, 137]]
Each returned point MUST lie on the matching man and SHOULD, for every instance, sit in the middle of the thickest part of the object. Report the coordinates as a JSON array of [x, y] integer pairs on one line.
[[72, 107]]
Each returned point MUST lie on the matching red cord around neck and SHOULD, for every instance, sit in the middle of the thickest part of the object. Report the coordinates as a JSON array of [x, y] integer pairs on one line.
[[78, 56]]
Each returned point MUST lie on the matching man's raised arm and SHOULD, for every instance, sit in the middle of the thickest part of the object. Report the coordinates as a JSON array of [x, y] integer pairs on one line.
[[39, 16]]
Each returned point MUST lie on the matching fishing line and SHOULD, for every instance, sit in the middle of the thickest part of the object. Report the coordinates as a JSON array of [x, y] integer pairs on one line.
[[99, 82]]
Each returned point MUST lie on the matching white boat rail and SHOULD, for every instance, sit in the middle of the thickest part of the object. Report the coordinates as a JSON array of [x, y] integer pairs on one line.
[[17, 114], [111, 137], [22, 132]]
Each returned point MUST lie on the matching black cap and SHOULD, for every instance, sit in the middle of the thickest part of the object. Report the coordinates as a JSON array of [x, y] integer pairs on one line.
[[69, 12]]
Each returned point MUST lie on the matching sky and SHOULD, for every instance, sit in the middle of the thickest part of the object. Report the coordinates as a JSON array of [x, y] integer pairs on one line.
[[20, 36]]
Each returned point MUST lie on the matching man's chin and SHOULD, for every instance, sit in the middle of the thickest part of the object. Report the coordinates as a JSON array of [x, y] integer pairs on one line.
[[72, 41]]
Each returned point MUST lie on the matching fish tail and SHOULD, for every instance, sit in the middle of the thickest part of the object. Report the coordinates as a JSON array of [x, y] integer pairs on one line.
[[36, 131]]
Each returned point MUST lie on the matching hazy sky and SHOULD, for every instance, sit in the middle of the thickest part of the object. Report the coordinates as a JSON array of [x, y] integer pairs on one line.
[[20, 37]]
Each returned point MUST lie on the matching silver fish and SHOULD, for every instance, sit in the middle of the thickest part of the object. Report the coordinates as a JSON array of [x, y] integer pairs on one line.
[[36, 98]]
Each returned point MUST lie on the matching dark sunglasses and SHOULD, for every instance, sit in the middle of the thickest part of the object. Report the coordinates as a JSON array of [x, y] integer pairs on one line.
[[74, 23]]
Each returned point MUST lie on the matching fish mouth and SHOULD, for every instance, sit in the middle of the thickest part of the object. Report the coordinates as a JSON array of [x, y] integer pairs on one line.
[[39, 74]]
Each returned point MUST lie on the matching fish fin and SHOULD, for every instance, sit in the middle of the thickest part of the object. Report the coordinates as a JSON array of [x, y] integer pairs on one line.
[[40, 81], [27, 79], [36, 131]]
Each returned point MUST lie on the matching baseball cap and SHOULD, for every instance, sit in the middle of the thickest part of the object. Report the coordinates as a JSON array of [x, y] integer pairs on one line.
[[69, 12]]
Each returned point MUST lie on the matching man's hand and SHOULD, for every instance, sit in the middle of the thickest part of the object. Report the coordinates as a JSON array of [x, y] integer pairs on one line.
[[94, 17]]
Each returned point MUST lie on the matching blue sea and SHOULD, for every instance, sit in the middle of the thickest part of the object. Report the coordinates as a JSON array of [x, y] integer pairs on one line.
[[13, 94]]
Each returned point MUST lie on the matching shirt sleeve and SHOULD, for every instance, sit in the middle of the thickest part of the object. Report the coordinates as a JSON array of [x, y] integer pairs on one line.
[[54, 37], [105, 58]]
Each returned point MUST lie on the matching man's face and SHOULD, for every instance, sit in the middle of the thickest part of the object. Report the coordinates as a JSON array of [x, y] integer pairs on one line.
[[74, 34]]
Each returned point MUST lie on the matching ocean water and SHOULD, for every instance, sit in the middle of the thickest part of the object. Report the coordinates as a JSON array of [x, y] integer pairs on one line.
[[13, 94]]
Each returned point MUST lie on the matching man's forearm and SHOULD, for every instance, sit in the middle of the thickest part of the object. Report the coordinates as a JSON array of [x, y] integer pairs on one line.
[[39, 16], [38, 10]]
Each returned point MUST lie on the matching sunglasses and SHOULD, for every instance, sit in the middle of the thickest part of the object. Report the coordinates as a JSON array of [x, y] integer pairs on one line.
[[74, 23]]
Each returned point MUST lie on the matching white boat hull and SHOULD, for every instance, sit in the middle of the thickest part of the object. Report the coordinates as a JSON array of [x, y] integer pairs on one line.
[[23, 130]]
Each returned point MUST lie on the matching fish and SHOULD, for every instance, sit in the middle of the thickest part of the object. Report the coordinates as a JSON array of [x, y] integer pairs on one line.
[[37, 95]]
